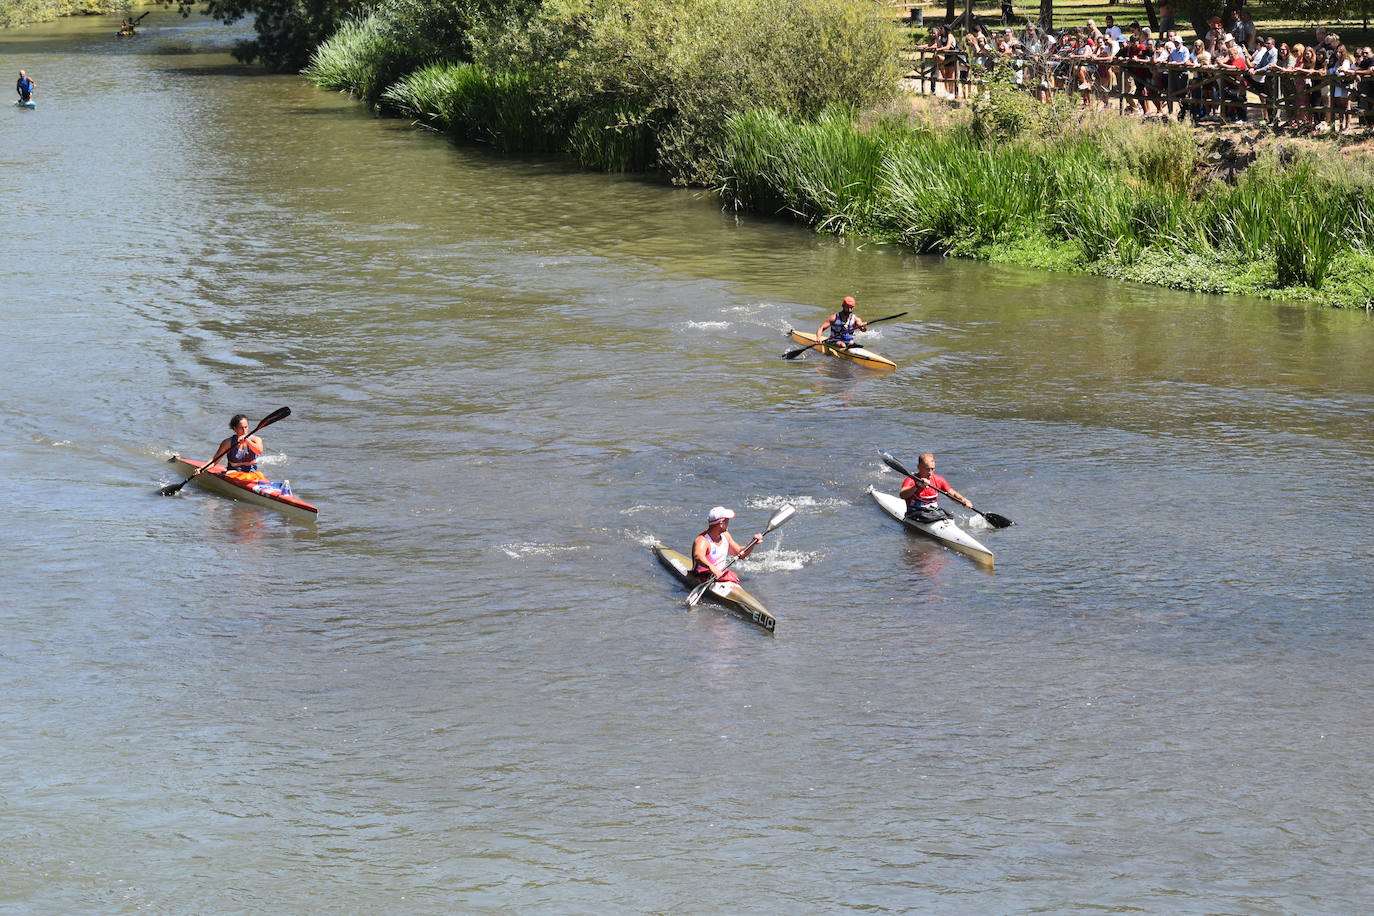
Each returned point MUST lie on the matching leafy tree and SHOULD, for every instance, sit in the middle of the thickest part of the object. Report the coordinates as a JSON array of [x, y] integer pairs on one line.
[[680, 68], [287, 30]]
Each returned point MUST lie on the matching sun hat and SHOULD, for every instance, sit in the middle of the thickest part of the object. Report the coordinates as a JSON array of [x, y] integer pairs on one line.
[[718, 513]]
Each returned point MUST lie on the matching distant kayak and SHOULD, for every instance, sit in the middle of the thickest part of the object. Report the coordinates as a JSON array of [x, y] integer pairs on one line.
[[125, 34], [23, 104], [860, 355]]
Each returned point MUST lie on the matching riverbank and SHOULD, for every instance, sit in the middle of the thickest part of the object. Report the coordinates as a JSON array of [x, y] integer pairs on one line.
[[1003, 179], [23, 12]]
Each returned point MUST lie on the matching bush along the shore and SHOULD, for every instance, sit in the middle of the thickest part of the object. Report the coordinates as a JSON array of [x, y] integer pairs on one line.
[[23, 12], [758, 99], [1097, 193], [621, 84]]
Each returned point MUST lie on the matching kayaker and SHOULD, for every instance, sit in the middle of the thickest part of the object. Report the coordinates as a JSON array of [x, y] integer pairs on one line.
[[25, 87], [241, 451], [922, 499], [842, 325], [714, 546]]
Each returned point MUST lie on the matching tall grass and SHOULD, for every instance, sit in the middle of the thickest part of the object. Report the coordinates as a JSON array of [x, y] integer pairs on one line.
[[363, 58], [824, 171], [613, 138], [1115, 193], [473, 102]]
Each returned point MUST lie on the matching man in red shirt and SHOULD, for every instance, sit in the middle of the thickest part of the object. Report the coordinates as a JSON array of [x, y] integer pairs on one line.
[[922, 497]]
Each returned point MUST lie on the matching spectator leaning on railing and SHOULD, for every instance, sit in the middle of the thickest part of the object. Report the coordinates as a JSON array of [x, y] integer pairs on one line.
[[1364, 66], [1262, 78]]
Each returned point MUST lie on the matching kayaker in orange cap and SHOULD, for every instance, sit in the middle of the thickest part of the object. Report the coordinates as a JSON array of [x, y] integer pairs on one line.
[[714, 546], [842, 326], [242, 451]]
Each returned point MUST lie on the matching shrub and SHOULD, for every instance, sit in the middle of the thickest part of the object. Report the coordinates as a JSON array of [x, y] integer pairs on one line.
[[475, 103]]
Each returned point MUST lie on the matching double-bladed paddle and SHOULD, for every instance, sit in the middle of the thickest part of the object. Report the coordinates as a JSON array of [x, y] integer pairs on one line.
[[793, 354], [281, 413], [778, 518], [995, 520]]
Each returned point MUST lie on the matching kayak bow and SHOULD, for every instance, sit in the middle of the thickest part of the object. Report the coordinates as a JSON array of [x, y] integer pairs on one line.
[[944, 531], [866, 358], [730, 594], [214, 481]]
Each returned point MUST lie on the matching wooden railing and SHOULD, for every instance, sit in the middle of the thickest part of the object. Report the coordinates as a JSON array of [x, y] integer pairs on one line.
[[1203, 91]]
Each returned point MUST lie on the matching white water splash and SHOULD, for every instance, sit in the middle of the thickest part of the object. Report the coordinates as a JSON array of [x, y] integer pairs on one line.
[[977, 522], [706, 325], [800, 502], [635, 510], [779, 560], [533, 549]]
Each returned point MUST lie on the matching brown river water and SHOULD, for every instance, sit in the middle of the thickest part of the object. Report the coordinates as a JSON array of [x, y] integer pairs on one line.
[[469, 689]]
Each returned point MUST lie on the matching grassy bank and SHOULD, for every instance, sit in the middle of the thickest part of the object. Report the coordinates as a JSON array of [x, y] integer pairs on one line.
[[22, 12], [1068, 191], [693, 92]]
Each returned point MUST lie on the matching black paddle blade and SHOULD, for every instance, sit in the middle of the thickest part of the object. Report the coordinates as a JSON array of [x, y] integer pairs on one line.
[[172, 489], [893, 463], [281, 413], [793, 354], [998, 521]]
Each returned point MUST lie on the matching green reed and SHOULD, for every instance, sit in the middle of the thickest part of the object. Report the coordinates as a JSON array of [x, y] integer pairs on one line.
[[361, 58], [823, 171], [614, 138], [473, 102], [1115, 193]]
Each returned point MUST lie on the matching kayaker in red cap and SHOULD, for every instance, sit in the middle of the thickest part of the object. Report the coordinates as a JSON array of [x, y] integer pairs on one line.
[[922, 497], [714, 546], [842, 326]]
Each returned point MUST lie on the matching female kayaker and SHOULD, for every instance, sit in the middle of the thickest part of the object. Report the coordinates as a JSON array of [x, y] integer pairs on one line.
[[842, 325], [922, 497], [241, 451], [714, 546]]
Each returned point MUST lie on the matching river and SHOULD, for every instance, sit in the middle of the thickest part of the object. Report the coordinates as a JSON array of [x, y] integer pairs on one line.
[[468, 688]]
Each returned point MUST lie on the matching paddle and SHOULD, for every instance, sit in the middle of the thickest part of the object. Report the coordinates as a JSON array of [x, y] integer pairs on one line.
[[778, 518], [793, 354], [281, 413], [995, 520]]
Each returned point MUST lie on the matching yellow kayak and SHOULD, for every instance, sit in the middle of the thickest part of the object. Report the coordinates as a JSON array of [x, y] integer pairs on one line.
[[866, 358], [729, 594]]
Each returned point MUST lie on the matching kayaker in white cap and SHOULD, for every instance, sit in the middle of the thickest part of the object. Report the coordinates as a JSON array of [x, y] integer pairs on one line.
[[714, 546], [842, 326]]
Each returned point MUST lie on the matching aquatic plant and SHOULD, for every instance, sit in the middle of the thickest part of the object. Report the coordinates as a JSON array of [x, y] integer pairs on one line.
[[473, 102]]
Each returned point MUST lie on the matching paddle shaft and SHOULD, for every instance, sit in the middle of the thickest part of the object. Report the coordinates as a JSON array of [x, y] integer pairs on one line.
[[995, 520], [280, 413], [793, 354]]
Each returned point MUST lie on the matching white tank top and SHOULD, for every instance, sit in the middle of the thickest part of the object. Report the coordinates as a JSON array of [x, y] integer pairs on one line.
[[719, 551]]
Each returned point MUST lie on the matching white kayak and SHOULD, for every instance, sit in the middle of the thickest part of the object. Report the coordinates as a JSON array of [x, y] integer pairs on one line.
[[944, 531]]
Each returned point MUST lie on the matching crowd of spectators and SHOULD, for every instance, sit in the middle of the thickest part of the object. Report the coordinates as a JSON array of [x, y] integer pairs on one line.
[[1211, 79]]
